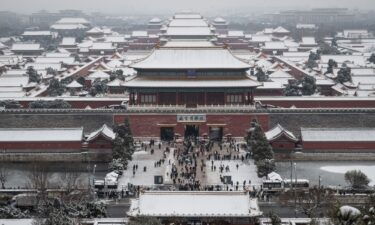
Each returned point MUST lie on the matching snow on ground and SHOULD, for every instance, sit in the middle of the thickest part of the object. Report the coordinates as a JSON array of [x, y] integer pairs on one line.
[[246, 171], [145, 159], [368, 170]]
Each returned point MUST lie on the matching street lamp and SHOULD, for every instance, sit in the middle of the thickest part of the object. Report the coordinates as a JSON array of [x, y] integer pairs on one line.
[[319, 190], [295, 190]]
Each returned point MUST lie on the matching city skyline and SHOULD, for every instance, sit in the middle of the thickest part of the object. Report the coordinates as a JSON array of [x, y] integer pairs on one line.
[[168, 6]]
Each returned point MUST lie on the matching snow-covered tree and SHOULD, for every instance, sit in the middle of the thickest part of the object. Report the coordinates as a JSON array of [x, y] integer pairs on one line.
[[123, 145], [308, 85], [261, 149], [10, 212], [261, 75], [275, 219], [344, 74], [33, 75], [55, 88], [372, 58], [292, 89]]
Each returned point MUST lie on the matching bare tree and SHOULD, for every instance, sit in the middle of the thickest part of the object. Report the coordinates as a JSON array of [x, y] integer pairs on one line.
[[313, 202], [4, 174]]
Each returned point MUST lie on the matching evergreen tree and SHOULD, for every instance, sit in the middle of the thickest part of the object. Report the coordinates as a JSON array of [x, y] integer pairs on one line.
[[261, 76], [308, 85], [98, 87], [292, 89], [261, 150], [311, 62], [372, 58], [344, 74], [81, 80], [55, 88], [33, 75], [331, 64], [123, 145], [275, 219]]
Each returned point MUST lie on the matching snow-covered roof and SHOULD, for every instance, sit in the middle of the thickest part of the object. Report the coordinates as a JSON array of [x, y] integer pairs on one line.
[[68, 26], [188, 23], [337, 134], [236, 33], [102, 46], [155, 20], [95, 30], [261, 38], [139, 33], [37, 33], [106, 131], [44, 66], [280, 30], [306, 26], [99, 75], [189, 58], [40, 134], [279, 131], [115, 83], [14, 81], [280, 74], [274, 45], [219, 20], [73, 21], [187, 16], [358, 60], [66, 60], [190, 43], [141, 82], [189, 31], [195, 204], [74, 84], [25, 47], [115, 39], [308, 41], [115, 63]]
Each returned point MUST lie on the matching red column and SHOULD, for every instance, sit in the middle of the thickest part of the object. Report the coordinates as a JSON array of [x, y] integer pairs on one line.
[[252, 96], [205, 98], [157, 98], [177, 100], [225, 98]]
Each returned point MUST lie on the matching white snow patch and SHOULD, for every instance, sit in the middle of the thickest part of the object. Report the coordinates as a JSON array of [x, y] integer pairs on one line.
[[368, 170]]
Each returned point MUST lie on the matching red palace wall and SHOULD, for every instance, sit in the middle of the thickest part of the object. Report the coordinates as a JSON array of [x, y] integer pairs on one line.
[[338, 146], [148, 125], [321, 103], [51, 146]]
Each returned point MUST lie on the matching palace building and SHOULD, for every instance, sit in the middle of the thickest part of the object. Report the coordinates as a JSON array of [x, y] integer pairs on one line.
[[191, 77], [189, 80]]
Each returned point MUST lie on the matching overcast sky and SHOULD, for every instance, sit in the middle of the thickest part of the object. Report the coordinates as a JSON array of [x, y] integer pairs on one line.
[[162, 6]]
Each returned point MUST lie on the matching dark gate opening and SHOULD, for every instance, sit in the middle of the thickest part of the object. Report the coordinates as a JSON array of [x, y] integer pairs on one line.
[[216, 133], [191, 131], [166, 133]]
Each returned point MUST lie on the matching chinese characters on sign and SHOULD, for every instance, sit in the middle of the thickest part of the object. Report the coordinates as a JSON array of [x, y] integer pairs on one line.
[[189, 118]]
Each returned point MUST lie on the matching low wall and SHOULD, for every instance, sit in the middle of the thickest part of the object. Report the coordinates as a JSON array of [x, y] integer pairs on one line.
[[55, 157], [303, 156]]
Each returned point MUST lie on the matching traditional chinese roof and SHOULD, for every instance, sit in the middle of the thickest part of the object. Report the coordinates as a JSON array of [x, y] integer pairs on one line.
[[104, 131], [40, 134], [191, 58], [338, 134], [279, 131], [195, 204], [157, 82], [74, 84]]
